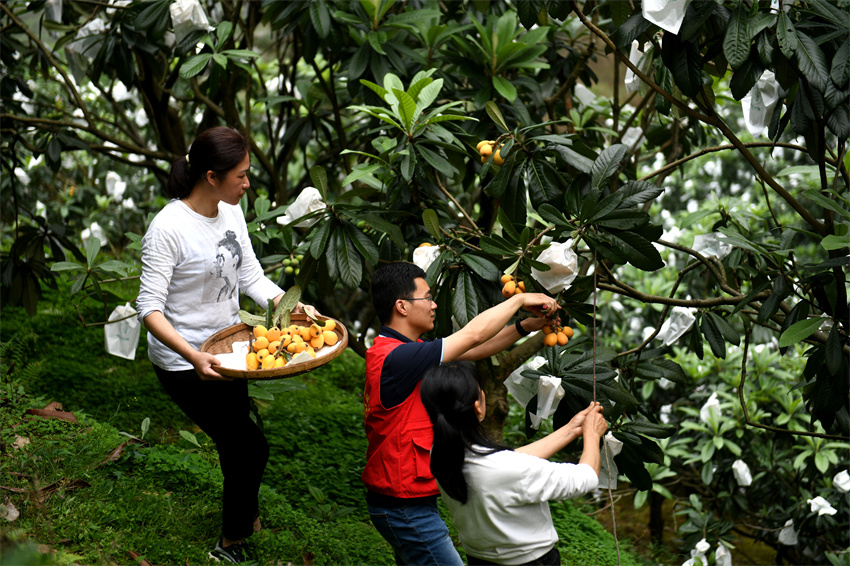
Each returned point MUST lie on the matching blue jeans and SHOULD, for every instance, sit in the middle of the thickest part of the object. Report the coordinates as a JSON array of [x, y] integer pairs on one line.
[[417, 534]]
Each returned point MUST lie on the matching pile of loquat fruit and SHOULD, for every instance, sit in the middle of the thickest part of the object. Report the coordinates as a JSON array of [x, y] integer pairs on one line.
[[274, 347]]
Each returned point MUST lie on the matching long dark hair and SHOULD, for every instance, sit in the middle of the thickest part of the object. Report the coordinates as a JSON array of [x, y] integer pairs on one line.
[[218, 149], [449, 392]]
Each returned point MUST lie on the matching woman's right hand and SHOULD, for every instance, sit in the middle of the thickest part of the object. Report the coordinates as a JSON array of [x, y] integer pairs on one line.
[[594, 424], [203, 362]]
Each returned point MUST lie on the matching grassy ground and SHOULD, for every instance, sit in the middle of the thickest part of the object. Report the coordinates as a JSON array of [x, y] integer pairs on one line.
[[159, 500]]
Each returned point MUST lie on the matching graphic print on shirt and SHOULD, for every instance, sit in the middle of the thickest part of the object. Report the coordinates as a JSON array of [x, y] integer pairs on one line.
[[223, 270]]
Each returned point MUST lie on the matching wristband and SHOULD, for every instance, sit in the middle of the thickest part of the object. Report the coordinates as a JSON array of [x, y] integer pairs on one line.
[[520, 329]]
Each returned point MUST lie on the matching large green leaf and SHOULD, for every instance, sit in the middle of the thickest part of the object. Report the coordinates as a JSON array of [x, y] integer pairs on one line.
[[812, 61], [320, 239], [432, 222], [194, 65], [840, 73], [406, 107], [655, 430], [436, 160], [574, 158], [320, 180], [714, 336], [544, 182], [685, 63], [623, 219], [388, 228], [464, 299], [799, 331], [736, 41], [504, 87], [320, 17], [363, 243], [637, 250], [786, 35], [348, 261], [607, 163], [485, 268], [630, 31], [639, 192], [745, 77], [496, 115], [726, 329]]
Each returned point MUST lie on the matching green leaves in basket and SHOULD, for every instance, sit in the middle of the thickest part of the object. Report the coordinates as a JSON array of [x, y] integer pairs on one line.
[[284, 307], [251, 319], [280, 317]]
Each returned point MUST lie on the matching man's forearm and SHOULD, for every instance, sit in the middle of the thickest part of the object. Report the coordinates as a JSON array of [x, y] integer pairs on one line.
[[481, 329], [504, 339]]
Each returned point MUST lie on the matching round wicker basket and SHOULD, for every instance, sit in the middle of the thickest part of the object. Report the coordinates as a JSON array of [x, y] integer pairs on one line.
[[222, 343]]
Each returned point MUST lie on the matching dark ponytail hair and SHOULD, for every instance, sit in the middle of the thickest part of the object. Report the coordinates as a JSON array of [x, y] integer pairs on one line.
[[449, 392], [218, 149]]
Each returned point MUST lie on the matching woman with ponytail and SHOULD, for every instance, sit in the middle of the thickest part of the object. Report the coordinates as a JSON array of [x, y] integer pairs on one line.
[[498, 497], [196, 257]]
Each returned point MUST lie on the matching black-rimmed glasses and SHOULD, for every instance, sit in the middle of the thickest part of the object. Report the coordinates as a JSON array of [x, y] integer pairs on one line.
[[417, 299]]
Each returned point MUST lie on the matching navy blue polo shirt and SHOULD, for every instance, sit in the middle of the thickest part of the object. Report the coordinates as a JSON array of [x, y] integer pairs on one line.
[[406, 365]]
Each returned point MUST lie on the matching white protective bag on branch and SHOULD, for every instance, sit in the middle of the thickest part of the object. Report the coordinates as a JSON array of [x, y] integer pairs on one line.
[[563, 262], [548, 390], [610, 448], [788, 536], [722, 556], [666, 14], [680, 321], [122, 337], [424, 256], [759, 104], [188, 16], [310, 200], [821, 506], [841, 481], [710, 244], [742, 474]]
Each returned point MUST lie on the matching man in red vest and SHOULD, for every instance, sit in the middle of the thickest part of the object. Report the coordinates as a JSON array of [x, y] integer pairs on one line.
[[401, 491]]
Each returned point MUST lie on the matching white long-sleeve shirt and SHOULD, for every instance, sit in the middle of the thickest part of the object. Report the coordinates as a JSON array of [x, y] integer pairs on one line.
[[193, 268], [506, 518]]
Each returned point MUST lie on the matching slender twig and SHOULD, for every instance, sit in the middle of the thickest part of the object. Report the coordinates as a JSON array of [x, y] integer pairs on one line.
[[724, 147], [457, 204]]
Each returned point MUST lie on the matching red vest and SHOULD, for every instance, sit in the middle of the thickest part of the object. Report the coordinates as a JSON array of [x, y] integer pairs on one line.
[[398, 460]]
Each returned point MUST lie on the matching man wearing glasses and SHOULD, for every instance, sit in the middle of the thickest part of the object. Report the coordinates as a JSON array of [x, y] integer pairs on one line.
[[401, 491]]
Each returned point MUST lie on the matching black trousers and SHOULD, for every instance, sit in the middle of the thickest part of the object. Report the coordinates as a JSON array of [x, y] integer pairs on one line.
[[221, 409], [551, 558]]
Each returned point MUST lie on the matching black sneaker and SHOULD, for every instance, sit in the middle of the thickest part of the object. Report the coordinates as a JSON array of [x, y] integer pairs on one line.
[[234, 554]]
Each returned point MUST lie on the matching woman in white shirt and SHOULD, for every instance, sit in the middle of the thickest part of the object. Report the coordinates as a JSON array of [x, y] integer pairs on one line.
[[196, 257], [498, 497]]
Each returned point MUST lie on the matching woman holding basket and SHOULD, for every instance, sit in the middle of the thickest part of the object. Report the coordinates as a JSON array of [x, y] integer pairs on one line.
[[196, 257]]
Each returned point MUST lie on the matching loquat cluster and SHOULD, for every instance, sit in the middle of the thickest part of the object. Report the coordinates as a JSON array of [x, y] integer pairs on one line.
[[485, 149], [511, 286], [556, 335], [274, 347]]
